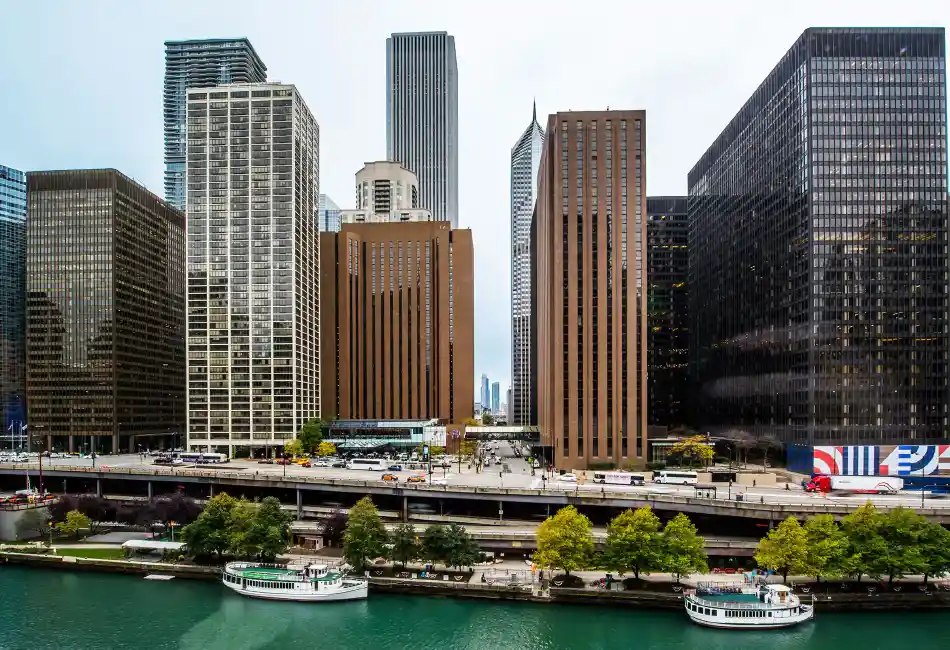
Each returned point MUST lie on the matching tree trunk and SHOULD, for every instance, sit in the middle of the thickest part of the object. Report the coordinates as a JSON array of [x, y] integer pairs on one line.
[[636, 572], [785, 576], [890, 578]]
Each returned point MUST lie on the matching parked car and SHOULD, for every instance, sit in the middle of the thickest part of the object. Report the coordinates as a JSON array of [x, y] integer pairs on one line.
[[282, 461], [305, 463], [266, 461], [390, 477], [416, 479], [339, 464], [395, 468], [320, 463], [568, 478]]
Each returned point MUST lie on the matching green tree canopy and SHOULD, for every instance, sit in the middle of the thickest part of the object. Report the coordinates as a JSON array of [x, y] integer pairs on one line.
[[405, 544], [462, 549], [826, 546], [74, 523], [293, 447], [935, 548], [268, 534], [325, 449], [682, 552], [365, 536], [901, 529], [633, 542], [311, 434], [785, 549], [488, 419], [695, 448], [210, 534], [242, 515], [565, 541], [435, 544], [867, 550]]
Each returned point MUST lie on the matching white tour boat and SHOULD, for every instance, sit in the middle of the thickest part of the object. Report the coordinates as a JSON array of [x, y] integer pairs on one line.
[[746, 607], [312, 583]]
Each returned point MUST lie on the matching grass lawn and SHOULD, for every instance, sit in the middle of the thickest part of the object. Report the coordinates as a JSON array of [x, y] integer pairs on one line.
[[93, 553]]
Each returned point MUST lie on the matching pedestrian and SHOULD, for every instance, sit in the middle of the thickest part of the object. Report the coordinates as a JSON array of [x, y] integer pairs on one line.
[[753, 482]]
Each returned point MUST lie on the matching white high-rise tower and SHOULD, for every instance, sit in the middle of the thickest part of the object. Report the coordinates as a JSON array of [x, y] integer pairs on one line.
[[422, 116], [525, 158]]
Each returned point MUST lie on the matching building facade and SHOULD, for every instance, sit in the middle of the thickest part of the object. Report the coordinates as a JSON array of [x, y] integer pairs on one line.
[[193, 64], [253, 266], [525, 158], [12, 303], [329, 215], [386, 192], [105, 318], [590, 272], [496, 397], [422, 116], [398, 311], [818, 246], [667, 311], [485, 396]]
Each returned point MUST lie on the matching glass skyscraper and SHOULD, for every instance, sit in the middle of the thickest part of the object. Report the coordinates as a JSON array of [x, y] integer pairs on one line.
[[193, 64], [525, 159], [818, 246], [12, 302], [253, 266], [329, 218], [422, 117]]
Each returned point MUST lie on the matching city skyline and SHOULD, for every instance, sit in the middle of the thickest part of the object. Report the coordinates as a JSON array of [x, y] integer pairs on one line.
[[68, 124]]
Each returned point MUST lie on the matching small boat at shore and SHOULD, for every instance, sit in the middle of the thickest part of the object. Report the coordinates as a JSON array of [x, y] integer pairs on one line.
[[746, 607], [313, 583]]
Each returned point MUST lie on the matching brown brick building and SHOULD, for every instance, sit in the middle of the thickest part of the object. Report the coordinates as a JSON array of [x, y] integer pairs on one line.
[[589, 288], [397, 312]]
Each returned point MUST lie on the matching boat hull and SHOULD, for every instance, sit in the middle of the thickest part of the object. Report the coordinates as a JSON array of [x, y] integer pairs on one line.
[[752, 623], [357, 592]]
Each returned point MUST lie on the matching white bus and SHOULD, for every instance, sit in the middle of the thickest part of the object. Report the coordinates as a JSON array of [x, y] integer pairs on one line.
[[676, 477], [368, 463], [202, 458], [618, 478]]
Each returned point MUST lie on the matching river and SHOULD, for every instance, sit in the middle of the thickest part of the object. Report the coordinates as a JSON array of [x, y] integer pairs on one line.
[[56, 610]]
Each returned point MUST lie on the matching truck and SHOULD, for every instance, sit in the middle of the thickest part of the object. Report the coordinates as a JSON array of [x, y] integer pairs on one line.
[[855, 484]]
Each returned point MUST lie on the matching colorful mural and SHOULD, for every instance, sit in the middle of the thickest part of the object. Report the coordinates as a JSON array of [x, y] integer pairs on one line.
[[885, 460]]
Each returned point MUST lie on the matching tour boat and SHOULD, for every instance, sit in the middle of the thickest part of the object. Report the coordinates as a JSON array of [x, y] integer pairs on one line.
[[746, 607], [312, 583]]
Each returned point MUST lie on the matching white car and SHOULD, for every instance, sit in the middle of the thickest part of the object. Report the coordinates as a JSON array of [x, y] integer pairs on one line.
[[568, 478], [319, 463]]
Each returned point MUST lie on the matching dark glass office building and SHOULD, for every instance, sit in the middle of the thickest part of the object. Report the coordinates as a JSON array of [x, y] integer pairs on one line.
[[104, 313], [667, 311], [12, 305], [198, 64], [818, 246]]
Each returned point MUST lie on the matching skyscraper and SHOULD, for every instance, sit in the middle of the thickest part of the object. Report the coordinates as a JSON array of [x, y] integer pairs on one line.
[[422, 116], [329, 215], [12, 299], [817, 253], [668, 312], [386, 192], [496, 397], [398, 312], [193, 64], [253, 265], [525, 158], [590, 244], [485, 394], [105, 317]]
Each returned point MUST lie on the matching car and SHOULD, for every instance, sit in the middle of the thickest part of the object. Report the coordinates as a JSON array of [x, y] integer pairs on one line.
[[395, 468], [282, 461], [416, 479], [266, 461], [389, 477], [568, 477], [320, 463], [305, 463], [338, 464]]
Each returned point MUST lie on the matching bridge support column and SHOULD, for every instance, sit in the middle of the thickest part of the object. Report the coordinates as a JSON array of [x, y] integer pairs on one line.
[[405, 509], [98, 487], [501, 511], [72, 444], [210, 490], [151, 491], [299, 504]]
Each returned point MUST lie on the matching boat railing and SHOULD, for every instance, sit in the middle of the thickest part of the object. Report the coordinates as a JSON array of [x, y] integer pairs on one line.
[[728, 604]]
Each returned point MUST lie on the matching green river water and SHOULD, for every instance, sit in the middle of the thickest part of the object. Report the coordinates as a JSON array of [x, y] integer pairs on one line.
[[55, 610]]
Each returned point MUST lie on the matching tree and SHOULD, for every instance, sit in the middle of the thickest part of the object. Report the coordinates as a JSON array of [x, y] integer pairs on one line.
[[866, 547], [462, 549], [242, 516], [470, 422], [333, 527], [826, 546], [784, 549], [74, 523], [935, 547], [633, 542], [269, 532], [435, 544], [565, 541], [32, 523], [682, 549], [209, 535], [326, 449], [405, 544], [488, 419], [741, 441], [59, 508], [311, 434], [365, 537], [901, 529], [766, 443], [695, 448], [293, 448]]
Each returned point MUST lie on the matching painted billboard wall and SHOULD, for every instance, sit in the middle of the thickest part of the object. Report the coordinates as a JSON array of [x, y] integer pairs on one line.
[[883, 460]]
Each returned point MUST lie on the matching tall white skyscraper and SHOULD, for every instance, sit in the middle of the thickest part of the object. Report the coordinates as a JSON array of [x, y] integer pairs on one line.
[[253, 266], [525, 158], [422, 116]]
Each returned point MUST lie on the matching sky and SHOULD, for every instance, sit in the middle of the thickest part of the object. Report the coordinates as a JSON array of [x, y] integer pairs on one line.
[[81, 86]]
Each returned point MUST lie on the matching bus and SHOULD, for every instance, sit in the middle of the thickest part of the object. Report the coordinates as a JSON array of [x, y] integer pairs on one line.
[[618, 478], [202, 458], [676, 477], [368, 463]]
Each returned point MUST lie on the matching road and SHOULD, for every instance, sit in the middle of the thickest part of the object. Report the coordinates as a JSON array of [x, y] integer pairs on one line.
[[519, 475]]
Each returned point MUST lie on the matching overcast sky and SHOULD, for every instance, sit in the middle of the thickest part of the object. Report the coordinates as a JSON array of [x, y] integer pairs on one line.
[[81, 86]]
